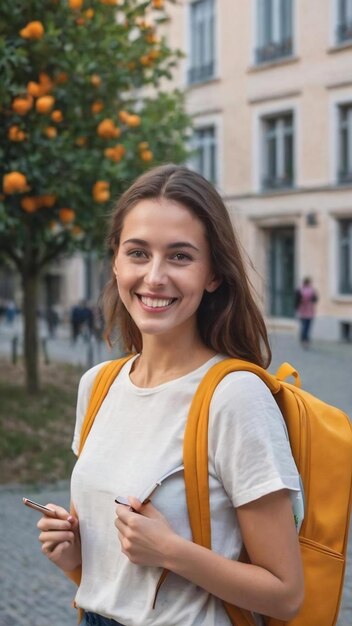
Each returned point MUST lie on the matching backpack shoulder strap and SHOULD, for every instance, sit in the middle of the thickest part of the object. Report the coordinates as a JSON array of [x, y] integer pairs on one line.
[[195, 458], [195, 445], [101, 386]]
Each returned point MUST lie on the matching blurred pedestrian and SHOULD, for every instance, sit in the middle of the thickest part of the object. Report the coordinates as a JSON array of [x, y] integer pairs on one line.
[[306, 299], [81, 321], [10, 312], [52, 320]]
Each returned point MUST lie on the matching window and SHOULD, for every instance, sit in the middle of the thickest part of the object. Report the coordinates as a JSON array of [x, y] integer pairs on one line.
[[274, 31], [278, 151], [345, 143], [345, 256], [205, 152], [202, 41], [344, 21]]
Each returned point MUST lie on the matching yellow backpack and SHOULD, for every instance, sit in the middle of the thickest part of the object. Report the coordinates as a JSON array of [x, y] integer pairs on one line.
[[321, 443]]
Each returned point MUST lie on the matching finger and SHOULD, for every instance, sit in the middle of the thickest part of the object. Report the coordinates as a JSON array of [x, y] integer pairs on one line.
[[56, 536], [147, 509], [59, 510], [51, 523], [123, 512], [136, 504], [54, 550]]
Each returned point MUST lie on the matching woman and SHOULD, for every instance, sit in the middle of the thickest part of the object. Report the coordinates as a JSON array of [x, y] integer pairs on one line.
[[180, 296]]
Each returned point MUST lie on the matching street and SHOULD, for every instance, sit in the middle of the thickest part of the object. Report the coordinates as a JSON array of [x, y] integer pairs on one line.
[[32, 591]]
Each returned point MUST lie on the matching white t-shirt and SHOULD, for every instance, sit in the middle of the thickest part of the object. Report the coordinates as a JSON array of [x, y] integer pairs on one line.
[[136, 438]]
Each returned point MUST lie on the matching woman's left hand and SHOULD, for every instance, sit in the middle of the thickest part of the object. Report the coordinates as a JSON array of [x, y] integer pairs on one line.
[[144, 534]]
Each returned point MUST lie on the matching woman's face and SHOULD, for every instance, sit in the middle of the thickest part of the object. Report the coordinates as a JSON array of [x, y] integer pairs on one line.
[[163, 267]]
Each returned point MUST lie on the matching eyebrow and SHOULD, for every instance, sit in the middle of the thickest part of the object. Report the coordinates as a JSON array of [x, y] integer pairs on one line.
[[170, 246]]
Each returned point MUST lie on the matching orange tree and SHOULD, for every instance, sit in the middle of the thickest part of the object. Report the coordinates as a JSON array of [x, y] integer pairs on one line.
[[76, 126]]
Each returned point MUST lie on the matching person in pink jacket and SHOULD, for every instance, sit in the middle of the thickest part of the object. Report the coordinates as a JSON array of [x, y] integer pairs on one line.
[[306, 299]]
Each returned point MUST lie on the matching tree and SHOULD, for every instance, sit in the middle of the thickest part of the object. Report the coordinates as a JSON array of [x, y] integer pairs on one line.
[[76, 126]]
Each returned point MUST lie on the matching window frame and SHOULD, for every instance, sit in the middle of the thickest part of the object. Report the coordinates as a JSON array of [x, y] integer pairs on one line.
[[198, 73], [344, 170], [280, 133], [344, 264], [343, 22], [203, 127], [267, 52]]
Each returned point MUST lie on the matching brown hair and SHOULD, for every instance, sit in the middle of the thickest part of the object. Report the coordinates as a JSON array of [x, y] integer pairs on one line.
[[229, 320]]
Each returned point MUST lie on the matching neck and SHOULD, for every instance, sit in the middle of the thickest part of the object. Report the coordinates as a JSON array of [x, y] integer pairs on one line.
[[164, 359]]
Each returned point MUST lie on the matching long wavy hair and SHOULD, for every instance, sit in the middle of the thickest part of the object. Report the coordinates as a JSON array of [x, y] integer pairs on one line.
[[229, 320]]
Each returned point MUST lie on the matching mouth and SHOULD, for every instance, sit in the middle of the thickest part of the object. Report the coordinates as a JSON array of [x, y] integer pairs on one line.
[[156, 303]]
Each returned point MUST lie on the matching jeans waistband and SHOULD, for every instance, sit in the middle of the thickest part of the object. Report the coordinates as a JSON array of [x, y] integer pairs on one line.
[[93, 619]]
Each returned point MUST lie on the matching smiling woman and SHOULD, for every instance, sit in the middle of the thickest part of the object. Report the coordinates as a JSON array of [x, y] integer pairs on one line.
[[181, 300], [162, 268]]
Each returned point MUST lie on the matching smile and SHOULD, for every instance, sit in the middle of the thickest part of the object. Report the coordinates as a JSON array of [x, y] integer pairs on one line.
[[156, 303]]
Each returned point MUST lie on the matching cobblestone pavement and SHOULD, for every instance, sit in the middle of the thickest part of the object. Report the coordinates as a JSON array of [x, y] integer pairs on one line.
[[34, 593]]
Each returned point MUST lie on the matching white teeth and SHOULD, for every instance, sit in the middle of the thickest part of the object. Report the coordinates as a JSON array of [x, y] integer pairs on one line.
[[155, 302]]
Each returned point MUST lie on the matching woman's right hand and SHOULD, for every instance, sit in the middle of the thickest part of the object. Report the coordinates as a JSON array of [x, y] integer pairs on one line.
[[60, 538]]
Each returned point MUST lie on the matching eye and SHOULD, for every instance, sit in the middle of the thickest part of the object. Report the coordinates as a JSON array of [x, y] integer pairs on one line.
[[180, 256], [137, 254]]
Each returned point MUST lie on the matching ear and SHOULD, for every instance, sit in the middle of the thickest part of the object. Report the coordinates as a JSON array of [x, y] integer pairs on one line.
[[114, 266], [213, 284]]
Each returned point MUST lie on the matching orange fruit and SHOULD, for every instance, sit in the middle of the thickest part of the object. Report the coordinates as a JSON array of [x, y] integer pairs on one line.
[[57, 116], [123, 116], [29, 204], [46, 83], [95, 80], [116, 153], [101, 191], [48, 200], [89, 13], [34, 89], [154, 54], [61, 78], [22, 105], [33, 30], [44, 104], [97, 106], [67, 215], [14, 182], [75, 5], [158, 4], [146, 155], [144, 59], [16, 134], [133, 121], [50, 132], [107, 129]]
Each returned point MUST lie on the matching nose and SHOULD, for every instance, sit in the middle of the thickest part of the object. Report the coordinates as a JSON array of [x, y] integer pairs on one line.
[[156, 274]]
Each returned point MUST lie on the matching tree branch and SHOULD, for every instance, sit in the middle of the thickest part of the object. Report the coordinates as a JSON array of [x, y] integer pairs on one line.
[[53, 254], [7, 250]]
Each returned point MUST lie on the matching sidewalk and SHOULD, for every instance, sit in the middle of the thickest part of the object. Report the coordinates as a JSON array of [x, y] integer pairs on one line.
[[32, 591]]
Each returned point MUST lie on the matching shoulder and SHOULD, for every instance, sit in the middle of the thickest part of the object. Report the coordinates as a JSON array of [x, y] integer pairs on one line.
[[242, 386], [86, 385], [84, 391], [241, 400], [88, 378]]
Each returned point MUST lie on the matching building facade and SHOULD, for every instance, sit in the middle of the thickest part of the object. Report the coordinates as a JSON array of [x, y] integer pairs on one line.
[[269, 87]]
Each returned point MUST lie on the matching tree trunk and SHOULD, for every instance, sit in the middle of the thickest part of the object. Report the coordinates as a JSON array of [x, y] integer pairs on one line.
[[30, 280]]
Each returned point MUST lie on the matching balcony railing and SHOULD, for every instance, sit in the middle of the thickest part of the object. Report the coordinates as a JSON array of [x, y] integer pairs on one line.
[[274, 182], [273, 51], [344, 32], [345, 177], [201, 73]]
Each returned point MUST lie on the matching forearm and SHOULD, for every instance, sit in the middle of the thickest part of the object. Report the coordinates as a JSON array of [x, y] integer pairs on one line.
[[245, 585]]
